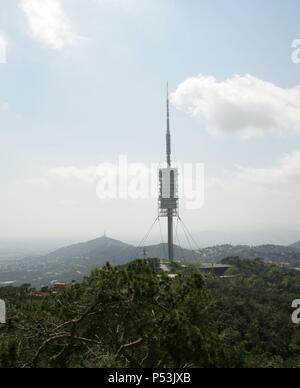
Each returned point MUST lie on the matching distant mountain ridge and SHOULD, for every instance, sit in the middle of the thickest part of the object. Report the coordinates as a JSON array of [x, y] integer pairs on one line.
[[296, 246], [268, 253], [76, 261]]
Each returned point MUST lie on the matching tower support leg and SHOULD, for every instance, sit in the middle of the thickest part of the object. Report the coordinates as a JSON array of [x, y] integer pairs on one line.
[[170, 236]]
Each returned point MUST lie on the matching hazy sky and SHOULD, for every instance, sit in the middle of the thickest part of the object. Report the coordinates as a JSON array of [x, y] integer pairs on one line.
[[83, 81]]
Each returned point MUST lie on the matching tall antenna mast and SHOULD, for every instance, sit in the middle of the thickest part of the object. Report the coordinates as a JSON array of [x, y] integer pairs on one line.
[[168, 129]]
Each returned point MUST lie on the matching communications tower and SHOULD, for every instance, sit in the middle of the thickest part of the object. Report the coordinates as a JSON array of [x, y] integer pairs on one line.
[[168, 189]]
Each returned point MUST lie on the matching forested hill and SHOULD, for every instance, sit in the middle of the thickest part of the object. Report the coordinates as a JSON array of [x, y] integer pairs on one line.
[[77, 261], [131, 317]]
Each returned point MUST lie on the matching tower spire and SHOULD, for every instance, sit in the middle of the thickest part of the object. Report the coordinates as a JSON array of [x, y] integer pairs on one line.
[[168, 129]]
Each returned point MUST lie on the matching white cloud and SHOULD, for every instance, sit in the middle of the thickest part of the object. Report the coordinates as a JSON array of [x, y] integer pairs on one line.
[[88, 174], [242, 105], [4, 106], [121, 4], [3, 49], [48, 22], [286, 171]]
